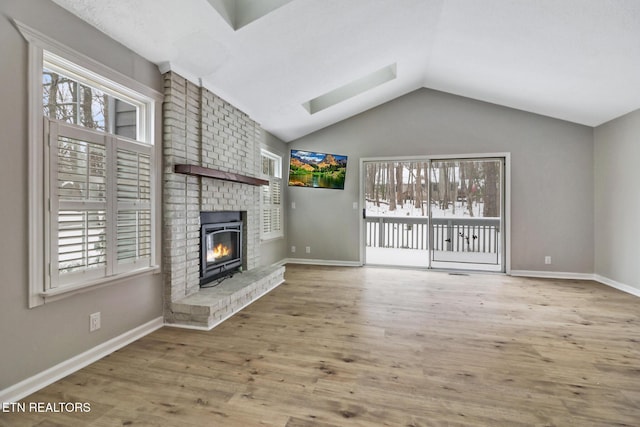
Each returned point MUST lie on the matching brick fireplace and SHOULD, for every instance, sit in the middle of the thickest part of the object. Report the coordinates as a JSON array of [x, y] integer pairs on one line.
[[202, 129]]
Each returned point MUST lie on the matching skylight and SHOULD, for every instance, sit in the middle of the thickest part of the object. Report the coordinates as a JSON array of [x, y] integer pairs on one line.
[[352, 89], [239, 13]]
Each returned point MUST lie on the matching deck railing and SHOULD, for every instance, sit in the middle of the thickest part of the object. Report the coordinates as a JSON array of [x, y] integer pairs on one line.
[[481, 235]]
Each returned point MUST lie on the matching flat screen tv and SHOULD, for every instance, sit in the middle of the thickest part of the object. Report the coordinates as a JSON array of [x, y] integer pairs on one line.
[[317, 170]]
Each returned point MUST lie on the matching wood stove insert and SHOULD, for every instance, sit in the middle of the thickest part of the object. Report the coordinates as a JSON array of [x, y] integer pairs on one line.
[[220, 246]]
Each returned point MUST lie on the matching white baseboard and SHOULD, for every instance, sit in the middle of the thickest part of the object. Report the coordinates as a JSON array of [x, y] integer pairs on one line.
[[578, 276], [552, 274], [617, 285], [31, 385], [334, 263], [192, 327]]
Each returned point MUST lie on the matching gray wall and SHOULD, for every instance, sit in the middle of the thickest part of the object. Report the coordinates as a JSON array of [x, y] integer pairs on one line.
[[275, 250], [617, 199], [551, 185], [32, 340]]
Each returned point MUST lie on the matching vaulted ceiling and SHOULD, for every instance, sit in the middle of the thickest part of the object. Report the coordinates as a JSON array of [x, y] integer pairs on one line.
[[296, 66]]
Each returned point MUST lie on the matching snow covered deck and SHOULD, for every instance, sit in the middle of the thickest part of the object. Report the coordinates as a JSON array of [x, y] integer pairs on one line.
[[442, 259], [465, 243]]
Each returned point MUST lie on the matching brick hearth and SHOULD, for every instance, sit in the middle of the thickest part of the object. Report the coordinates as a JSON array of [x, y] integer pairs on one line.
[[210, 306]]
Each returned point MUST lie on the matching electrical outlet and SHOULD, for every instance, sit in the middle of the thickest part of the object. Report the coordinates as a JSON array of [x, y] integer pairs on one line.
[[355, 205], [94, 322], [547, 259], [293, 248], [293, 205], [308, 249]]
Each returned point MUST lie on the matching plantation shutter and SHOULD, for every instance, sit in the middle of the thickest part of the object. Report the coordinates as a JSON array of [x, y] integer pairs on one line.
[[271, 205], [100, 198], [78, 203], [133, 224]]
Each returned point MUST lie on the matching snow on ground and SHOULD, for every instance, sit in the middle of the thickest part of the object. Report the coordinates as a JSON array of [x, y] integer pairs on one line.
[[442, 259], [458, 209]]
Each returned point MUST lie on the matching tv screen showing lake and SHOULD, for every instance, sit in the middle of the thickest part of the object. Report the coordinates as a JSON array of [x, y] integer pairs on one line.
[[317, 170]]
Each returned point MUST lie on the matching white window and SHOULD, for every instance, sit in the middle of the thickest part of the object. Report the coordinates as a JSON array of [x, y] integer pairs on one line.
[[271, 205], [93, 173]]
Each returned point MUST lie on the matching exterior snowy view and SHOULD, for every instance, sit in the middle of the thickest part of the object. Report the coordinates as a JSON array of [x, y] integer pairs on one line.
[[463, 198]]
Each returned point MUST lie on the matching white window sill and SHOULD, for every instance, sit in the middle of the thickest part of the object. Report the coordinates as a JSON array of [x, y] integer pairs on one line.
[[67, 291], [270, 239]]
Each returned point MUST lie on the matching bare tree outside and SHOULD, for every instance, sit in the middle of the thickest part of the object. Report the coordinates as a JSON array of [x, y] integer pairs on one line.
[[491, 190], [392, 186], [467, 188]]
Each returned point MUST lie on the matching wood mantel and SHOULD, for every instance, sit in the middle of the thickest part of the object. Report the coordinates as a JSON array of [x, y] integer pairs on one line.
[[217, 174]]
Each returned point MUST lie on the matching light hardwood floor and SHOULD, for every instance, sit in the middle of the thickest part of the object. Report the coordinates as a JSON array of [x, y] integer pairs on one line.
[[373, 347]]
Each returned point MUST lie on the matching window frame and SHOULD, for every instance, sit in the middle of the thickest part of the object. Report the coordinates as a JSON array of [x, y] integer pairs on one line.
[[277, 158], [41, 50]]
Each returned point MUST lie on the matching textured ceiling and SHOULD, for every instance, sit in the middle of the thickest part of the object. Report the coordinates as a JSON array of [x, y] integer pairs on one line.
[[577, 60]]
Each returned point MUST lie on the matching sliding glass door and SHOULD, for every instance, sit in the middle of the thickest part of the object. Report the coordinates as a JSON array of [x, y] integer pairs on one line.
[[396, 219], [466, 214], [435, 213]]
